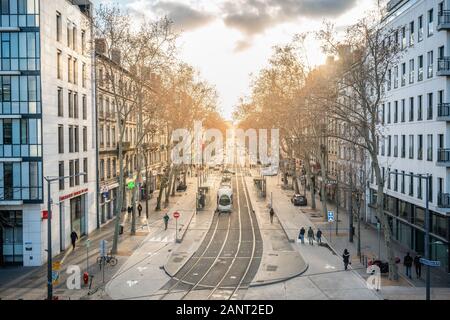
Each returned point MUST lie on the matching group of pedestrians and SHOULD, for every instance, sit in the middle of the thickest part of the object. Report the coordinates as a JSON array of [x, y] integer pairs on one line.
[[310, 235], [408, 261]]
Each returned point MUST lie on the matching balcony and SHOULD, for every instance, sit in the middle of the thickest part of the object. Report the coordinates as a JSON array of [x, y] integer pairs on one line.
[[443, 66], [443, 20], [443, 112], [443, 158], [444, 200]]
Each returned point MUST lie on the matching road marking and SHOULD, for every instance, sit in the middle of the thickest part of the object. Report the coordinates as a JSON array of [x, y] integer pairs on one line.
[[161, 239], [132, 283], [140, 269], [330, 267]]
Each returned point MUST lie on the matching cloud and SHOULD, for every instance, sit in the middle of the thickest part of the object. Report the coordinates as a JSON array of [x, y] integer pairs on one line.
[[252, 17], [242, 45]]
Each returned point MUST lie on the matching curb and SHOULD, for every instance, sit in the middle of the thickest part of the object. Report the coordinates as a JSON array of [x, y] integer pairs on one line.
[[180, 238]]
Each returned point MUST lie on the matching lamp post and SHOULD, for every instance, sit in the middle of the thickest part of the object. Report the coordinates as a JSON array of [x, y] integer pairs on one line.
[[427, 178], [49, 231]]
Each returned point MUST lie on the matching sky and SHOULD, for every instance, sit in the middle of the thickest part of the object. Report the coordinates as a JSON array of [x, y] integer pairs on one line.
[[228, 41]]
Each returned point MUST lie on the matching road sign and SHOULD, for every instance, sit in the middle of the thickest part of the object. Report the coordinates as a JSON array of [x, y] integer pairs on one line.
[[330, 216], [131, 185], [176, 215], [430, 263], [103, 248], [56, 266], [88, 243], [55, 277]]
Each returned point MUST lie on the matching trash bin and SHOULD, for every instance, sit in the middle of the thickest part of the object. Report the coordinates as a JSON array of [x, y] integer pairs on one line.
[[121, 229]]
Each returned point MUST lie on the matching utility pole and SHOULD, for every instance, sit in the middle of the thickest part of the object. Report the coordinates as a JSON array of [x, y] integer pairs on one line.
[[337, 203], [350, 209], [49, 242], [427, 235]]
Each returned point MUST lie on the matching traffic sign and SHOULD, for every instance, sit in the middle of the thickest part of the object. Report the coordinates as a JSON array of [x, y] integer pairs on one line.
[[430, 263], [131, 185], [330, 216], [55, 277], [103, 248], [176, 215]]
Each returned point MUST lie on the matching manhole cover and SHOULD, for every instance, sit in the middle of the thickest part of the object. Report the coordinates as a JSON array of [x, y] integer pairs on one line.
[[272, 268]]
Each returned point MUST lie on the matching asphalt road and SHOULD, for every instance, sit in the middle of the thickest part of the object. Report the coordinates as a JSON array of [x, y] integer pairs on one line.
[[228, 258]]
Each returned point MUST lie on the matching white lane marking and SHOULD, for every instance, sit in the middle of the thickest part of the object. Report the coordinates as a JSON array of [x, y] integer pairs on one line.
[[330, 267], [131, 283], [140, 269]]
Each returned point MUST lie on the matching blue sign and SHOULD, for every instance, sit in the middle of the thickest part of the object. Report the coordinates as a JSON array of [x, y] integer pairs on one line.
[[430, 263], [330, 216], [105, 195]]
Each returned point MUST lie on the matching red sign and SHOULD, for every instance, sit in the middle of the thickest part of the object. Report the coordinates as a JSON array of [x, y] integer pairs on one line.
[[44, 214], [73, 195], [176, 215]]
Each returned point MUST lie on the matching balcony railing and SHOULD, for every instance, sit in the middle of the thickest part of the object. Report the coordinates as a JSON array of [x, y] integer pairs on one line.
[[443, 20], [443, 155], [443, 111], [444, 66], [444, 200]]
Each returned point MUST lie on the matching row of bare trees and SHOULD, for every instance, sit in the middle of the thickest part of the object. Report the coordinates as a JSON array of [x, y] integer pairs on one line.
[[151, 87], [347, 92]]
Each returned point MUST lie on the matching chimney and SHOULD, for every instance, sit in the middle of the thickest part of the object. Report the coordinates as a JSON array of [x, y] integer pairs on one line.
[[116, 56], [100, 46]]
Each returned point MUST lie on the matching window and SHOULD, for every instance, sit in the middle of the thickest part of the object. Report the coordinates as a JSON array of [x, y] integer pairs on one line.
[[108, 169], [113, 136], [108, 136], [77, 138], [389, 113], [84, 139], [75, 71], [84, 107], [389, 79], [102, 170], [395, 111], [441, 52], [403, 74], [71, 139], [100, 106], [403, 182], [420, 147], [69, 69], [430, 189], [396, 77], [389, 146], [101, 136], [411, 185], [430, 107], [77, 172], [114, 169], [75, 105], [411, 71], [85, 170], [430, 23], [396, 180], [411, 33], [61, 175], [83, 42], [430, 59], [430, 147], [420, 74], [83, 75], [59, 64], [70, 100], [74, 38], [58, 28], [71, 173], [411, 109], [69, 34], [411, 146], [396, 146], [383, 114], [403, 37], [419, 187], [403, 154], [420, 29], [60, 139], [419, 109], [60, 103]]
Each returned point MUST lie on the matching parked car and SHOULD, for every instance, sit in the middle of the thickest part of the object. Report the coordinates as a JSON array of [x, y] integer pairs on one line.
[[181, 187], [299, 200]]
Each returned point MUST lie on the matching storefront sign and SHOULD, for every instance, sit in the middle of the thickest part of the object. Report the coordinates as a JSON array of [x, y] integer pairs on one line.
[[73, 194]]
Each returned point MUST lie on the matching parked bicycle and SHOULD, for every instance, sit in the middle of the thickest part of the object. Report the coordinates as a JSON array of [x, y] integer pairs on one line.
[[108, 259]]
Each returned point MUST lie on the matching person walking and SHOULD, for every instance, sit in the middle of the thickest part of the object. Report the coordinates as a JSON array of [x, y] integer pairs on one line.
[[319, 236], [311, 236], [346, 259], [407, 262], [272, 213], [74, 238], [130, 209], [418, 266], [139, 209], [166, 221], [301, 235]]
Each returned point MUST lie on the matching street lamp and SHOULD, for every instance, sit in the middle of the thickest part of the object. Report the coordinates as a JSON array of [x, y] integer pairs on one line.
[[49, 230], [427, 178]]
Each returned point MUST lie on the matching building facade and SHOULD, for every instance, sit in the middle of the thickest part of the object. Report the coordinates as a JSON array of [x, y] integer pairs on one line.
[[47, 127], [416, 126]]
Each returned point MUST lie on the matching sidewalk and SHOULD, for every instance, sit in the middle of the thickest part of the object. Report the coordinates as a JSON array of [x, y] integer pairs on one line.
[[369, 242], [19, 283]]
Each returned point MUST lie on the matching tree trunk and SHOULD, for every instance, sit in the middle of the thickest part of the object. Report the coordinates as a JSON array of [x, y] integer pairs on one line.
[[311, 184], [119, 200]]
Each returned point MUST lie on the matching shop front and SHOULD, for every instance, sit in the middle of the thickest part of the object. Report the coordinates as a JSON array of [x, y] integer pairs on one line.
[[11, 237]]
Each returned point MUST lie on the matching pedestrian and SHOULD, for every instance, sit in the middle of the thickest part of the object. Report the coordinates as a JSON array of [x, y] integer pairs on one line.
[[346, 258], [407, 262], [130, 209], [301, 235], [74, 238], [418, 266], [166, 221], [319, 236], [311, 236], [272, 213], [139, 209]]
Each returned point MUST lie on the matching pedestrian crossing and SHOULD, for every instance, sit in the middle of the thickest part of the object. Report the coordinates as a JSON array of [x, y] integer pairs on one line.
[[162, 239]]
